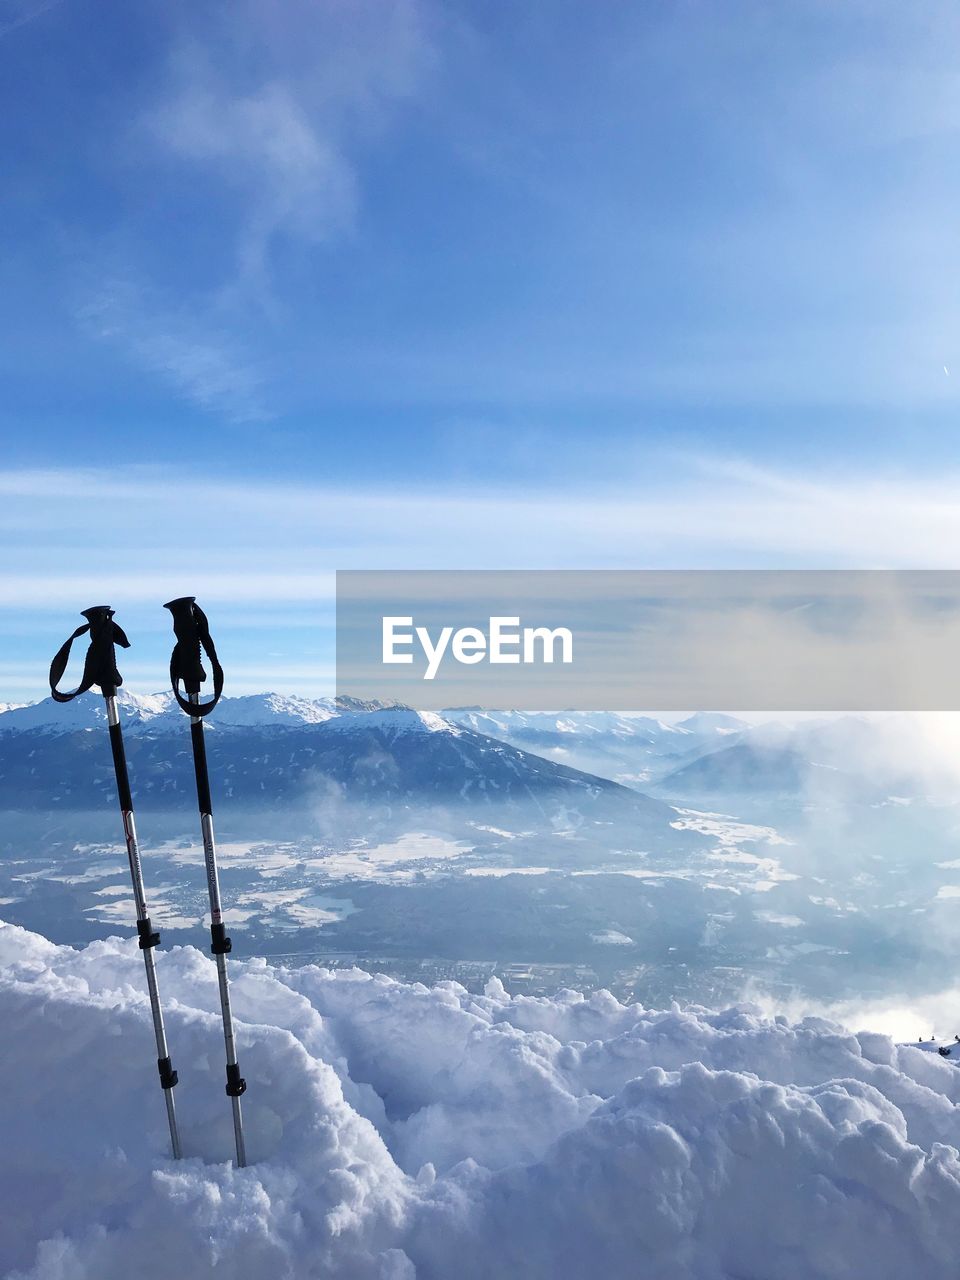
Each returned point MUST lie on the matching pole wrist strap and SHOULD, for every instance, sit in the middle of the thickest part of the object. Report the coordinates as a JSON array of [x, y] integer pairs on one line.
[[99, 666]]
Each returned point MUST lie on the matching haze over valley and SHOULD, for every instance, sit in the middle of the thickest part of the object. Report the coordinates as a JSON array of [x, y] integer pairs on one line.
[[708, 860]]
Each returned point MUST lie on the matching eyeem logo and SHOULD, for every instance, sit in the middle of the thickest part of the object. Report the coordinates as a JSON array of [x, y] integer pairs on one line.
[[504, 642]]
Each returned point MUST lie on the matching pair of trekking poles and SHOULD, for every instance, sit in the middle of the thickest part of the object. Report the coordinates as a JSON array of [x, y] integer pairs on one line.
[[186, 669]]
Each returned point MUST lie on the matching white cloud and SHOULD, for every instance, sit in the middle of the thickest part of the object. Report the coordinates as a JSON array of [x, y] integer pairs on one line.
[[265, 552], [289, 537]]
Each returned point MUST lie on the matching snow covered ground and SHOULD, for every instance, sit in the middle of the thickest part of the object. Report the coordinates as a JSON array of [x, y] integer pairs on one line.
[[400, 1132]]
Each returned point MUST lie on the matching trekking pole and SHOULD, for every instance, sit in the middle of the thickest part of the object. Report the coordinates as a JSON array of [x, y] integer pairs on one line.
[[193, 632], [100, 668]]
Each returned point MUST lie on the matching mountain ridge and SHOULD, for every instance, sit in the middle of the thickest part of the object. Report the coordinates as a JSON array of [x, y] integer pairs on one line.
[[277, 751]]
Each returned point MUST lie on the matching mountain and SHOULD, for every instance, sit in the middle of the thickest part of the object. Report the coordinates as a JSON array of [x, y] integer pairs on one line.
[[86, 712], [583, 724], [267, 709], [562, 725], [745, 767], [633, 750], [712, 724], [269, 751], [140, 712], [834, 760]]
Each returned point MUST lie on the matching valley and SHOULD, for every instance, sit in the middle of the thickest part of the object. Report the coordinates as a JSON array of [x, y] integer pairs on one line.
[[423, 847]]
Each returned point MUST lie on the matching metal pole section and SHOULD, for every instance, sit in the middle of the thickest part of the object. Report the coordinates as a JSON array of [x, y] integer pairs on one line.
[[220, 944], [148, 938]]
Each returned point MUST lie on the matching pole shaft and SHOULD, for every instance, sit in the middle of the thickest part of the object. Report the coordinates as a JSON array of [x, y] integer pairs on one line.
[[148, 939], [216, 926]]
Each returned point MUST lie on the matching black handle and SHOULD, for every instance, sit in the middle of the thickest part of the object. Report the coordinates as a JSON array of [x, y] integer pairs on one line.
[[192, 630], [100, 664]]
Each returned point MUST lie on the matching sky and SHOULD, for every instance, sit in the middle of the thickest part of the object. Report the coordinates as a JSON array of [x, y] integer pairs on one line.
[[290, 287]]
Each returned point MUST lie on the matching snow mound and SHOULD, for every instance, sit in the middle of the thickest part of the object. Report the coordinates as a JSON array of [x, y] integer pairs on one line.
[[400, 1132]]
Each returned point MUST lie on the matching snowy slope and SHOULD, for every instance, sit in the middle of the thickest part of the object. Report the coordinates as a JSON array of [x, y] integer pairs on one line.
[[549, 1139]]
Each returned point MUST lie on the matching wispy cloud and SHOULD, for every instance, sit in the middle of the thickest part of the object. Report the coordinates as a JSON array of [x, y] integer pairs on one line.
[[193, 352], [287, 537], [265, 553], [292, 176], [264, 107], [277, 113], [17, 13]]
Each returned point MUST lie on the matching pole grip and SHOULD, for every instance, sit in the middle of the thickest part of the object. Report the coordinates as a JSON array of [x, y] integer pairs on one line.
[[192, 630], [100, 664]]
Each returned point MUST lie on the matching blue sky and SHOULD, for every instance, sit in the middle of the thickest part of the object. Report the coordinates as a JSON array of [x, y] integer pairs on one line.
[[288, 287]]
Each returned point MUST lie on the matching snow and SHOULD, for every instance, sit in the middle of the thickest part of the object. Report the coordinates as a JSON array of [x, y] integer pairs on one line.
[[274, 708], [728, 831], [164, 912], [158, 712], [394, 721], [773, 917], [394, 860], [85, 712], [712, 722], [585, 724], [294, 908], [403, 1133], [497, 873]]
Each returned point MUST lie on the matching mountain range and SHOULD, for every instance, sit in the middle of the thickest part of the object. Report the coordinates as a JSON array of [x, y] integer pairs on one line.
[[269, 751], [633, 750], [286, 750]]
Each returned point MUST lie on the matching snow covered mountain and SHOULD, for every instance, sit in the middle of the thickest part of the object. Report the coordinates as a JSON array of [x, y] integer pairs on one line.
[[630, 749], [564, 724], [85, 712], [266, 709], [565, 728], [398, 1132], [711, 724], [268, 750], [139, 712]]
